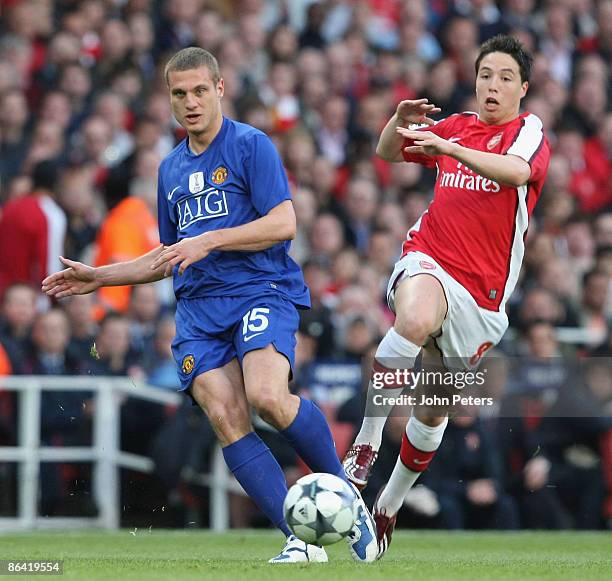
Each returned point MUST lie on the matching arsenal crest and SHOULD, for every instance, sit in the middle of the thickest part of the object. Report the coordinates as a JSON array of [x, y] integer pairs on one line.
[[494, 141]]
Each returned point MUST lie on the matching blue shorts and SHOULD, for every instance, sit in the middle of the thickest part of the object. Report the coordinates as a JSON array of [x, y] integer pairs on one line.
[[210, 332]]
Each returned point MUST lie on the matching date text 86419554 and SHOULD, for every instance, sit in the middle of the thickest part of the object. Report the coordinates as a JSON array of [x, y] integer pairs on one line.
[[31, 567]]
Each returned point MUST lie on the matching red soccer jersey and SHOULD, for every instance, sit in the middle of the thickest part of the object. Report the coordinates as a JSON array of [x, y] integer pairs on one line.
[[475, 227], [32, 231]]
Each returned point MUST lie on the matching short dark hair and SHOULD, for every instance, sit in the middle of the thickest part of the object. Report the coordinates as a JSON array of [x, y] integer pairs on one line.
[[509, 45], [191, 58]]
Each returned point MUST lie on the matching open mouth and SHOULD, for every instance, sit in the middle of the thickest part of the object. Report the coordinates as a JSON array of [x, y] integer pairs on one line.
[[192, 117], [491, 101]]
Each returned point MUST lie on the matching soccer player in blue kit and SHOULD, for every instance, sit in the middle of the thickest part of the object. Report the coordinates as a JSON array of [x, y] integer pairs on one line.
[[225, 222]]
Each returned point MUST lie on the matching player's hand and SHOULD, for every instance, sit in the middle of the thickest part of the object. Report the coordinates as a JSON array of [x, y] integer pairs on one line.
[[416, 111], [426, 142], [77, 279], [481, 492], [183, 253]]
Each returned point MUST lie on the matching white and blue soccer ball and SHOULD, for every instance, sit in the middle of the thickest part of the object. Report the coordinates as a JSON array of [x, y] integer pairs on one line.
[[320, 509]]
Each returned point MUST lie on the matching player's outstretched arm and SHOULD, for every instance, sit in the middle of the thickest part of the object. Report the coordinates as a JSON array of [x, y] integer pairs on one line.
[[278, 225], [408, 112], [82, 279], [511, 170]]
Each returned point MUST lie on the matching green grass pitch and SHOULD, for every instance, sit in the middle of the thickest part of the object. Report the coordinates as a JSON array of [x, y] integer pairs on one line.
[[242, 555]]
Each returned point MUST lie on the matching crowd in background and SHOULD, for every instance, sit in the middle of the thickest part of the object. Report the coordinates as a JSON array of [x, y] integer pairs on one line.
[[85, 120]]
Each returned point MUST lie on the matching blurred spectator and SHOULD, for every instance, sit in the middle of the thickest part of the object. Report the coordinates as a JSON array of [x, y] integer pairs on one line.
[[574, 444], [80, 201], [603, 229], [160, 367], [317, 322], [49, 356], [47, 144], [326, 236], [83, 328], [542, 369], [143, 311], [360, 207], [32, 231], [578, 238], [539, 305], [512, 422], [466, 477], [332, 136], [113, 355], [65, 416], [14, 137], [16, 319], [557, 44], [112, 107], [117, 239], [595, 297]]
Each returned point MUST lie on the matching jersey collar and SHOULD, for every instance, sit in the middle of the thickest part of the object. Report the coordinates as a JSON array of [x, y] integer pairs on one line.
[[213, 143]]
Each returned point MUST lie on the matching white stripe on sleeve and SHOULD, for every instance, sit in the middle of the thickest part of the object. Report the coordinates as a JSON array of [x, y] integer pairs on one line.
[[529, 138]]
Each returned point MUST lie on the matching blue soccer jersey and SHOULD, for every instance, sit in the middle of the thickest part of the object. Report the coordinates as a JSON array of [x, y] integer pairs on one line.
[[238, 179]]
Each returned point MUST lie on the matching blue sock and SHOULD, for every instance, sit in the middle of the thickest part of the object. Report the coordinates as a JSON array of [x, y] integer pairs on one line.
[[258, 472], [311, 438]]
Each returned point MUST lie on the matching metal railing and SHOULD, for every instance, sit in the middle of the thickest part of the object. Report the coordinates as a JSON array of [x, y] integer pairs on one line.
[[105, 453]]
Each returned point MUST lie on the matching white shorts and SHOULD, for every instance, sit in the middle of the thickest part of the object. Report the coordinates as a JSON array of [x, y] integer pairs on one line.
[[468, 331]]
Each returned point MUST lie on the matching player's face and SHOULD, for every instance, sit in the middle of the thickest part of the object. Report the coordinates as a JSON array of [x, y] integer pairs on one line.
[[499, 88], [196, 100]]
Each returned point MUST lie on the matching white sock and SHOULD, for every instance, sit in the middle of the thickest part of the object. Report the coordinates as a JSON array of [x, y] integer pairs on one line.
[[424, 438], [372, 425], [394, 352]]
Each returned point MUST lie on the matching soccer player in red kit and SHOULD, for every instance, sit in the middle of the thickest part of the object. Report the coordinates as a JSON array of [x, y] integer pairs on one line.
[[461, 260]]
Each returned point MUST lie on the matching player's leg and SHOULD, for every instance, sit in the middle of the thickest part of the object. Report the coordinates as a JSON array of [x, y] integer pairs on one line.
[[265, 344], [304, 426], [267, 352], [420, 441], [220, 393], [208, 367], [467, 332], [420, 306], [301, 422]]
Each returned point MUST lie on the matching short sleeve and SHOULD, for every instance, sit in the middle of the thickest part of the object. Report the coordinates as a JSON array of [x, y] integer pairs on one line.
[[442, 128], [531, 145], [166, 225], [265, 174]]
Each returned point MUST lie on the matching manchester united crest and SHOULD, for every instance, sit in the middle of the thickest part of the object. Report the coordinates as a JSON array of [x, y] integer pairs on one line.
[[219, 175], [188, 364]]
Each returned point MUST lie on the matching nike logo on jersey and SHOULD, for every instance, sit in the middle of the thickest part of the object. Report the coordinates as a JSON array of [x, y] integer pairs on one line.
[[247, 339], [172, 192], [454, 139]]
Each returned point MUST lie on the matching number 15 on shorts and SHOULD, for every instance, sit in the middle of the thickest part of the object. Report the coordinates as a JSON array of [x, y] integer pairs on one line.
[[254, 323]]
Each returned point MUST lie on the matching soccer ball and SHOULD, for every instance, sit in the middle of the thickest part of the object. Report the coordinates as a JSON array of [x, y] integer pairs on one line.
[[320, 509]]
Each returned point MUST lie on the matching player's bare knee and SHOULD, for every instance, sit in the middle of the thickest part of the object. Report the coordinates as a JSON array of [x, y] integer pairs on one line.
[[229, 423], [268, 404], [415, 326]]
